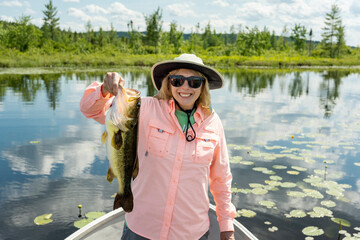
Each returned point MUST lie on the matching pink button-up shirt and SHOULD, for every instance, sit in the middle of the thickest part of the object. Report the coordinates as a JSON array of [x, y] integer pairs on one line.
[[171, 190]]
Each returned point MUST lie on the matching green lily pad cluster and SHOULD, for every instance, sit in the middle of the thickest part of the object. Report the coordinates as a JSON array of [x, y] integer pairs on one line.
[[320, 184], [268, 204], [245, 213], [43, 219], [90, 216], [312, 231]]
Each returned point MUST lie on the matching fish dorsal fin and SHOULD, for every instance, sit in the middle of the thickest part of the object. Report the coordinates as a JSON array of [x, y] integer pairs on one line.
[[104, 137]]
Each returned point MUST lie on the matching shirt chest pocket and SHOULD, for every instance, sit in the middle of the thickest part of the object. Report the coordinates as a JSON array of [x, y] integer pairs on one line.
[[158, 137], [205, 147]]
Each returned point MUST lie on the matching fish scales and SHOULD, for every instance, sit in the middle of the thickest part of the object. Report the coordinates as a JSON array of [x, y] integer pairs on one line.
[[121, 126]]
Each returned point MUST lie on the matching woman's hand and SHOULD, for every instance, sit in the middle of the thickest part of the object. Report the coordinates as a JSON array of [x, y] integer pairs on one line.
[[227, 235], [111, 83]]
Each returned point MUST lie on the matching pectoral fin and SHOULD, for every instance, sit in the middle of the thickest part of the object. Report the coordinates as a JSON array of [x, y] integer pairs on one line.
[[104, 137], [117, 140], [110, 176]]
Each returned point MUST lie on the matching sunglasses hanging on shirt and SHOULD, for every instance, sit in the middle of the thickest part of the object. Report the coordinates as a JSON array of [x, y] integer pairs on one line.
[[188, 136]]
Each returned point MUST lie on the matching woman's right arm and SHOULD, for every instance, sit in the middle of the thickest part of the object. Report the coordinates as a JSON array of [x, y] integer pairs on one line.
[[98, 97]]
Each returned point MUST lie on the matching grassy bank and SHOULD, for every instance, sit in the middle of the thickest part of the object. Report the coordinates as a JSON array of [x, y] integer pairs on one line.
[[9, 59]]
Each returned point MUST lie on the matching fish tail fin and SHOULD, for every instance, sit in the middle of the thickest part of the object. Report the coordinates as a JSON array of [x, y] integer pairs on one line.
[[110, 175], [126, 202], [104, 137]]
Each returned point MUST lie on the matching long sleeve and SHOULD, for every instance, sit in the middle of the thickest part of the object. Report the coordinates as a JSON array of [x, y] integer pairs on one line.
[[93, 104], [220, 184]]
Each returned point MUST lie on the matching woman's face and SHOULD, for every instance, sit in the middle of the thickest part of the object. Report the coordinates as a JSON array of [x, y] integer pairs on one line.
[[185, 95]]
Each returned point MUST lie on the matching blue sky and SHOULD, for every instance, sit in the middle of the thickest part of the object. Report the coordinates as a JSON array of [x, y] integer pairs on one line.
[[274, 14]]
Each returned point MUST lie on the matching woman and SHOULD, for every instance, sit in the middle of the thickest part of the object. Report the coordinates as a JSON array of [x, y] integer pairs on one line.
[[181, 150]]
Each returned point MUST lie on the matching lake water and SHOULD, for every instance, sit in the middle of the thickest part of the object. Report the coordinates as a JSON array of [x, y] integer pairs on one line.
[[293, 138]]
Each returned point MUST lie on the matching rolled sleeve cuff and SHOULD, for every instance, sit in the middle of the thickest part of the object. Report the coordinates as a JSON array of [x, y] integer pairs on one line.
[[226, 225]]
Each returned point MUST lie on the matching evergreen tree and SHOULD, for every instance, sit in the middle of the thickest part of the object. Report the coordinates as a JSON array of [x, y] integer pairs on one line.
[[310, 41], [273, 41], [175, 36], [298, 35], [153, 28], [333, 35], [50, 27]]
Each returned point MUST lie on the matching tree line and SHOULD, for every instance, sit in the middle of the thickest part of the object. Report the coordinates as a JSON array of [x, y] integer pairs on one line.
[[23, 36]]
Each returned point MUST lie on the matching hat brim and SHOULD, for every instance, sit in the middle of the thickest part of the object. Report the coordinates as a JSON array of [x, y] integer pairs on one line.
[[162, 69]]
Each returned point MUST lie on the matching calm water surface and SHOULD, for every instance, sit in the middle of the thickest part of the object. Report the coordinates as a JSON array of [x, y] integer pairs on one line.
[[51, 158]]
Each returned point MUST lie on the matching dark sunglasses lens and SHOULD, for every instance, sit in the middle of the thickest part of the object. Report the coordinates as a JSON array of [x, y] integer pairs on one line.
[[195, 82], [176, 81]]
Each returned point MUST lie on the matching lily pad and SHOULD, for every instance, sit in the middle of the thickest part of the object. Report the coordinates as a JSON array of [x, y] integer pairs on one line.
[[259, 191], [267, 223], [335, 193], [276, 178], [260, 169], [296, 194], [357, 164], [43, 219], [312, 231], [342, 222], [94, 215], [268, 204], [328, 203], [323, 211], [235, 159], [81, 223], [279, 167], [313, 193], [297, 213], [288, 185], [256, 185], [273, 183], [247, 163], [313, 179], [293, 172], [245, 213], [242, 147], [301, 169], [273, 229]]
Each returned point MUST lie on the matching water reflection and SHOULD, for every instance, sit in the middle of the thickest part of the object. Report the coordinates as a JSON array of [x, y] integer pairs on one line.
[[250, 82], [51, 158]]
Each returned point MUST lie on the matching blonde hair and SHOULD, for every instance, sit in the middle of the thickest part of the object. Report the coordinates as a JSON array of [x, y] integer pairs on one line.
[[204, 99]]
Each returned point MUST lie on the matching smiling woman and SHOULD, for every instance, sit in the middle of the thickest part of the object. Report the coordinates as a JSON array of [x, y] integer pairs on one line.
[[174, 168]]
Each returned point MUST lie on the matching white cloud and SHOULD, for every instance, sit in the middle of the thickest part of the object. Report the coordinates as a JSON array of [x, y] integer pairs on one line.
[[119, 9], [181, 10], [15, 3], [116, 13], [255, 11], [37, 21], [71, 1], [95, 9], [78, 14], [355, 7], [6, 18], [221, 3]]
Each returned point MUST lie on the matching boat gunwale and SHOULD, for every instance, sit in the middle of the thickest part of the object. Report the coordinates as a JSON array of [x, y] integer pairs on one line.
[[90, 227]]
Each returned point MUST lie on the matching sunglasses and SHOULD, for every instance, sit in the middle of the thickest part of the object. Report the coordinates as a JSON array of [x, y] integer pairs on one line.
[[178, 81]]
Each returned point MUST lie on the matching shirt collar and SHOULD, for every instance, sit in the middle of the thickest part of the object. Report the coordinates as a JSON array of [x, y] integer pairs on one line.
[[199, 114]]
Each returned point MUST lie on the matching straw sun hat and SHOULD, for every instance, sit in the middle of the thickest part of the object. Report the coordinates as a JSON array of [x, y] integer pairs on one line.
[[188, 61]]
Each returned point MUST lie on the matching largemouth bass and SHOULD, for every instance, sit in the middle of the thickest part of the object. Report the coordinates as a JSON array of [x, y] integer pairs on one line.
[[120, 137]]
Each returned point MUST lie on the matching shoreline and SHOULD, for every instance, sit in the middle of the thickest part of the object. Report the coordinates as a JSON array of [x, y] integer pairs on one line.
[[104, 69]]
